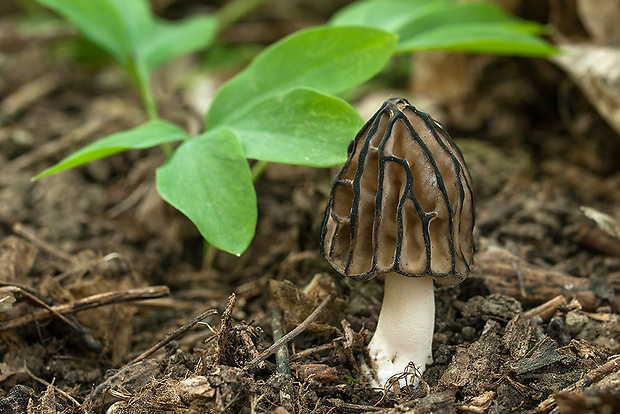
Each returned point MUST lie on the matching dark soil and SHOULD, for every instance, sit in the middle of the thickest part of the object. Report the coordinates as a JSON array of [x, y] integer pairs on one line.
[[537, 160]]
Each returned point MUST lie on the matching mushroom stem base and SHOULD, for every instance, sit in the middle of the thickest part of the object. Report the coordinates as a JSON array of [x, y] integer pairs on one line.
[[404, 331]]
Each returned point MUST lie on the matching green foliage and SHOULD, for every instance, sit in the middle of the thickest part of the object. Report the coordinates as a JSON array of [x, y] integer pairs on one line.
[[325, 58], [150, 134], [301, 126], [277, 110], [281, 107], [209, 180], [422, 25], [270, 109], [351, 381], [138, 40]]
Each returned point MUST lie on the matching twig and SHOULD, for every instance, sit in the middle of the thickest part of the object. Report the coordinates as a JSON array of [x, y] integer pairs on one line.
[[18, 290], [40, 243], [130, 201], [50, 148], [88, 303], [547, 309], [590, 378], [320, 348], [282, 360], [172, 336], [30, 93], [352, 408], [224, 356], [47, 384], [85, 267], [292, 334]]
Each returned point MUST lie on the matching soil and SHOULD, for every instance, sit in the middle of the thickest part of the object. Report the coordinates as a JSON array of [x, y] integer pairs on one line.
[[535, 328]]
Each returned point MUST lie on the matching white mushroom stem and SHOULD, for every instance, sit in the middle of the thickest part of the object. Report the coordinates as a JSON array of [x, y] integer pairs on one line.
[[404, 330]]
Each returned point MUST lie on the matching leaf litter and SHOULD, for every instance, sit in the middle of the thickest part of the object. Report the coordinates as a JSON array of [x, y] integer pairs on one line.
[[535, 328]]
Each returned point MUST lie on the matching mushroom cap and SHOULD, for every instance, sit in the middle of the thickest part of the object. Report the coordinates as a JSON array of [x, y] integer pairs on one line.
[[403, 202]]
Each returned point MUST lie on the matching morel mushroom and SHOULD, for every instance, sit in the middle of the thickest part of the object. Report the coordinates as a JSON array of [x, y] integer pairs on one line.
[[402, 205]]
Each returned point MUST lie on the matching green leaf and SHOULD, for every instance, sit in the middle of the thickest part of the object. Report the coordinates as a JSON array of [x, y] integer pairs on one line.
[[478, 27], [131, 34], [209, 180], [301, 126], [491, 39], [103, 22], [172, 39], [330, 59], [146, 135], [388, 15]]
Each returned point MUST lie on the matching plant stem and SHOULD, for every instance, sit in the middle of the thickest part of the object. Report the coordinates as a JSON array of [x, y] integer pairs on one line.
[[258, 169], [143, 81], [234, 10], [208, 255]]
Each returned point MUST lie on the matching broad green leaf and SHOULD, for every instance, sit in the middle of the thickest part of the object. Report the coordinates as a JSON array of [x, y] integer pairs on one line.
[[491, 39], [146, 135], [102, 22], [479, 27], [301, 126], [329, 59], [209, 180], [131, 34]]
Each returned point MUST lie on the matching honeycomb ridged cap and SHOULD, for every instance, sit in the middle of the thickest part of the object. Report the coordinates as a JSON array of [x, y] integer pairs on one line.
[[403, 201]]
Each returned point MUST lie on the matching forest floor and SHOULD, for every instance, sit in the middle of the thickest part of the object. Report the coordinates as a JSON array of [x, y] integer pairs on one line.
[[535, 327]]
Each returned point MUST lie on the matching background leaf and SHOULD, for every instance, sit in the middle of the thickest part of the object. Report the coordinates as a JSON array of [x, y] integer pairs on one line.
[[475, 27], [330, 59], [172, 39], [301, 126], [209, 180], [389, 15], [102, 22], [131, 34], [147, 135], [491, 39]]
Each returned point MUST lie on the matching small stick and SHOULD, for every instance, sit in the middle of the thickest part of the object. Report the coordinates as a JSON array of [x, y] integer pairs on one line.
[[547, 309], [29, 93], [30, 235], [47, 384], [17, 290], [88, 303], [50, 148], [320, 348], [172, 336], [353, 408], [282, 359], [224, 356], [590, 378], [292, 334]]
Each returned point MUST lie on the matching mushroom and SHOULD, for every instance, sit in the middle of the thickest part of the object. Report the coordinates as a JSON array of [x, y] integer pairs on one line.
[[403, 206]]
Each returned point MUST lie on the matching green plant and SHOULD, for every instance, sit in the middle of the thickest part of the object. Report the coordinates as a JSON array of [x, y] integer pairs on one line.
[[281, 108], [423, 25]]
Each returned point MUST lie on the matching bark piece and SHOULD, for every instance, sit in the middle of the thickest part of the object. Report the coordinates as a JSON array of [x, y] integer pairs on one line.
[[492, 306], [519, 336], [533, 283], [472, 368], [543, 355], [16, 259]]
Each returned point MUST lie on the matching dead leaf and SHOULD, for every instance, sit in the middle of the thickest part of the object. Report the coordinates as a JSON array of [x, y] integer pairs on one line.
[[297, 305], [605, 222], [600, 19], [16, 259], [596, 70]]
